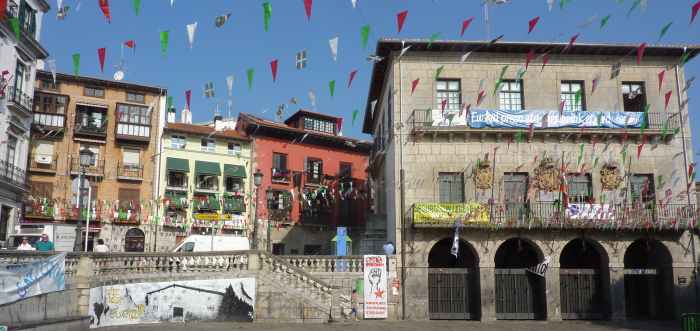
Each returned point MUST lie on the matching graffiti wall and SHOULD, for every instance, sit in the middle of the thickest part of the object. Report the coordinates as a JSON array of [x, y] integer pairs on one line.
[[213, 299]]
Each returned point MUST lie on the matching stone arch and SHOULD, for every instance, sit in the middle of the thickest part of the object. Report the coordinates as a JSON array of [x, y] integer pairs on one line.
[[520, 294], [440, 255], [528, 253], [584, 280], [134, 240], [453, 281], [648, 280]]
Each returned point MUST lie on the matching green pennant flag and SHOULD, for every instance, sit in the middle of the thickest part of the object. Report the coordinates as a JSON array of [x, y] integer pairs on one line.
[[520, 136], [599, 118], [634, 6], [645, 118], [684, 58], [137, 7], [168, 102], [563, 3], [577, 97], [660, 180], [250, 72], [433, 37], [76, 64], [676, 130], [354, 115], [624, 154], [664, 29], [503, 72], [580, 154], [604, 21], [364, 33], [267, 15], [497, 87], [164, 37], [14, 23], [521, 73], [595, 162], [439, 71], [331, 87]]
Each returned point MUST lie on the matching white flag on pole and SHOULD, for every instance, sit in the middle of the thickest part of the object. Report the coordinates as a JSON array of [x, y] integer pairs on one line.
[[191, 28], [333, 42], [229, 85]]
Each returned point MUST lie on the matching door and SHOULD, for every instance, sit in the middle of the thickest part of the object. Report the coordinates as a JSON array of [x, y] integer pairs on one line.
[[449, 293], [581, 294], [643, 293], [519, 295], [515, 189]]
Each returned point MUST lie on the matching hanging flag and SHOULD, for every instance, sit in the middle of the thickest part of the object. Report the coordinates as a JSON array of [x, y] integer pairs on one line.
[[352, 76], [267, 15], [550, 5], [604, 21], [640, 52], [561, 106], [3, 5], [532, 23], [164, 36], [571, 42], [209, 90], [661, 75], [354, 3], [667, 98], [400, 19], [137, 7], [664, 29], [219, 21], [191, 28], [684, 58], [529, 57], [641, 146], [615, 70], [414, 84], [438, 71], [188, 97], [250, 72], [541, 268], [694, 11], [465, 56], [169, 102], [76, 64], [354, 115], [443, 103], [301, 60], [333, 43], [101, 53], [364, 33], [545, 60], [635, 4], [307, 8], [229, 85], [331, 87], [104, 5], [562, 3], [273, 68], [594, 83], [465, 25], [480, 97], [52, 67], [131, 44], [14, 24], [580, 154], [433, 37]]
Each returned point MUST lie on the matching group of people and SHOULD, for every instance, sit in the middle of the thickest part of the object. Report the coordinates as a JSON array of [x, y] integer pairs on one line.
[[46, 245]]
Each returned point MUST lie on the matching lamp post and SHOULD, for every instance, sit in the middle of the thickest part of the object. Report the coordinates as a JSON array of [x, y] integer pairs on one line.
[[85, 160], [257, 181]]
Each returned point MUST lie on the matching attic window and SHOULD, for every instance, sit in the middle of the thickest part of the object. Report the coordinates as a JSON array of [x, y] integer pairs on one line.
[[319, 125]]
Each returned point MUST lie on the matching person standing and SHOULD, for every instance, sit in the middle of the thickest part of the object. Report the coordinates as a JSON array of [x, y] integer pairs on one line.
[[388, 248], [25, 246], [101, 247], [353, 304], [44, 244]]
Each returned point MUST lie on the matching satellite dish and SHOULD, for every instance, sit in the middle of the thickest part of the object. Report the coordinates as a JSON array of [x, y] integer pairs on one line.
[[119, 75]]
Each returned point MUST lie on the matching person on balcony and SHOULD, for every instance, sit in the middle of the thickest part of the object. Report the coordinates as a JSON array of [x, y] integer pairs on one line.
[[44, 244], [25, 246], [101, 247]]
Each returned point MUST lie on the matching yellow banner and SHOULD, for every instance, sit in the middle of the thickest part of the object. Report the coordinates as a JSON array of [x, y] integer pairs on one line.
[[207, 217], [447, 213]]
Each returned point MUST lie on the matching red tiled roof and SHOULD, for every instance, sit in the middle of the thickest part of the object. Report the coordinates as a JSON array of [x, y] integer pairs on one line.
[[205, 130], [271, 124]]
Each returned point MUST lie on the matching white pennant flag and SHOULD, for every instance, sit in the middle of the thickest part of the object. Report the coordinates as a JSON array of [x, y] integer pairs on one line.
[[60, 4], [354, 3], [172, 3], [191, 28], [229, 85], [550, 4], [465, 56], [404, 50], [333, 42], [52, 67], [312, 98]]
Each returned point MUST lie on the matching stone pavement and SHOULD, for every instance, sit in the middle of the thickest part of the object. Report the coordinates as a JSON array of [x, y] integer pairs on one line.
[[411, 326]]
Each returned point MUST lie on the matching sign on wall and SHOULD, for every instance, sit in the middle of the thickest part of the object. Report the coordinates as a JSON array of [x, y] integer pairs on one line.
[[19, 281], [590, 211], [540, 119], [375, 287], [211, 299]]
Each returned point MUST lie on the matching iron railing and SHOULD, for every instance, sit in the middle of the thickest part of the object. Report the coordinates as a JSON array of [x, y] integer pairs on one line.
[[95, 169], [43, 162], [234, 204], [313, 178], [12, 174], [20, 99], [280, 175], [129, 171]]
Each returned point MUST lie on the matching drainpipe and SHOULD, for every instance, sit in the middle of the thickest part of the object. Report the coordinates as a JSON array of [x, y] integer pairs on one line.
[[159, 149], [687, 185], [402, 174]]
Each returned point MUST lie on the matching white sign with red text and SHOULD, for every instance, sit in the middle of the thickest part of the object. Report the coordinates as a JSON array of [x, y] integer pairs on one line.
[[375, 287]]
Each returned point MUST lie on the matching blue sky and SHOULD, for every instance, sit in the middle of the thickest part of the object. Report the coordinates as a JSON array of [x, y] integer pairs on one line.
[[242, 43]]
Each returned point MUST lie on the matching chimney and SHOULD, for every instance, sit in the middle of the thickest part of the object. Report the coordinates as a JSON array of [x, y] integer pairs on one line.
[[171, 115], [186, 116]]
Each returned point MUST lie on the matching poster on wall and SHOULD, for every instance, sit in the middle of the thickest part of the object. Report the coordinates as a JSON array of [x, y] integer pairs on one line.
[[23, 280], [590, 211], [375, 286], [192, 300]]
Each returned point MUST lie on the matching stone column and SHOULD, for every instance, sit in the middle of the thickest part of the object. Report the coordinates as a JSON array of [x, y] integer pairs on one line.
[[552, 293], [487, 284], [617, 291], [82, 283]]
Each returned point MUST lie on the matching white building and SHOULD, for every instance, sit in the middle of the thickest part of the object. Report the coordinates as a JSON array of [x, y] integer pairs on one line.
[[18, 62]]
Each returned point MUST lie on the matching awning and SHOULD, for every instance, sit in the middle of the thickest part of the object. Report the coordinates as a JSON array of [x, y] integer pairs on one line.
[[177, 164], [232, 170], [207, 168]]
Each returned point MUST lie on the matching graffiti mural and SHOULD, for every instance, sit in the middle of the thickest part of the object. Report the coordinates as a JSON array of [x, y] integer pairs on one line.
[[212, 299]]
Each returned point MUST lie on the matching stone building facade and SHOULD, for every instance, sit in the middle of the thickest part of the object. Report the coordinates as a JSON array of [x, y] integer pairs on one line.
[[494, 162], [21, 53], [117, 126]]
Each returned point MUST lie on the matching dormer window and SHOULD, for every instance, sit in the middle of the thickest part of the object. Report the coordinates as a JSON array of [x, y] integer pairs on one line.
[[319, 125]]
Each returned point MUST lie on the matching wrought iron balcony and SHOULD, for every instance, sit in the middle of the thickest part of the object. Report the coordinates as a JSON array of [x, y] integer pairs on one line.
[[13, 176], [97, 168], [129, 172], [126, 216], [19, 101], [234, 204], [280, 175], [91, 129], [313, 178], [44, 163]]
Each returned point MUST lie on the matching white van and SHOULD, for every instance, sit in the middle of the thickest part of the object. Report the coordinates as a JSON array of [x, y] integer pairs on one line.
[[205, 243]]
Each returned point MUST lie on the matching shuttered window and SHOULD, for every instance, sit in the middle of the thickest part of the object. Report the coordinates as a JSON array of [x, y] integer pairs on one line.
[[451, 186], [642, 187], [131, 156], [41, 190], [580, 188], [129, 198], [44, 148], [515, 187]]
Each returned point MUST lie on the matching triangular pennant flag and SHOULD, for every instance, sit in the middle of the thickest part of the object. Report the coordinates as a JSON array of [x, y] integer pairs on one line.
[[480, 97], [364, 34], [219, 21], [635, 4], [137, 7], [465, 56], [191, 28], [169, 102], [101, 54], [229, 85], [661, 75], [354, 3], [532, 23], [465, 25], [76, 64], [188, 97], [273, 68], [250, 72], [432, 38], [14, 24], [307, 8], [580, 154], [331, 87], [667, 98], [664, 29], [561, 106], [577, 98], [550, 5], [640, 147], [3, 5], [404, 50], [414, 84], [267, 15], [571, 42], [164, 36], [694, 11], [52, 67], [529, 57], [333, 43], [545, 60], [131, 44], [400, 19], [352, 76], [594, 83], [684, 58], [562, 3], [604, 21], [104, 5], [438, 71], [640, 52], [354, 115]]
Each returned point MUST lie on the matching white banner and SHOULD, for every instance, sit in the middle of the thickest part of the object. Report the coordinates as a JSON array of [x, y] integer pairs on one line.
[[375, 286], [19, 281], [590, 211]]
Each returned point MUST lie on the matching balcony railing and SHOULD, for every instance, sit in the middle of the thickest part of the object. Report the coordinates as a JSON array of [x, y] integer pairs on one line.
[[552, 215], [127, 216], [313, 178], [95, 169], [50, 120], [91, 129], [280, 175], [130, 171], [43, 163], [129, 131], [19, 100], [234, 204], [12, 175]]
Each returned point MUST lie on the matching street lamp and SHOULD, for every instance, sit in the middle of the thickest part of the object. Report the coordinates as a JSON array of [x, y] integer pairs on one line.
[[257, 181], [85, 160]]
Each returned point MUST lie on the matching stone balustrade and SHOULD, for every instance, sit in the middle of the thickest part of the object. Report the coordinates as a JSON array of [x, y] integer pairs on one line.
[[325, 263]]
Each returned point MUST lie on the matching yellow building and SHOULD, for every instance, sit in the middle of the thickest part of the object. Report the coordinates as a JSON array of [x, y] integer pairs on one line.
[[205, 180]]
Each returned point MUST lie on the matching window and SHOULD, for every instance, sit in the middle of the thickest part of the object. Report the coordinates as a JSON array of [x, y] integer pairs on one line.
[[135, 97], [11, 150], [279, 162], [131, 157], [278, 200], [580, 188], [234, 149], [177, 179], [511, 95], [345, 169], [187, 247], [319, 125], [642, 189], [133, 120], [278, 249], [94, 92], [573, 95], [27, 19], [20, 71], [208, 145], [234, 184], [633, 96], [95, 150], [41, 190], [447, 90], [314, 170], [5, 212], [90, 119], [178, 142], [208, 182], [49, 84], [129, 198], [451, 185], [515, 188], [50, 103]]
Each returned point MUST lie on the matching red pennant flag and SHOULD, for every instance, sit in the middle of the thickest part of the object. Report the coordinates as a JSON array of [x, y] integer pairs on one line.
[[465, 108], [694, 11], [352, 76], [480, 97], [691, 167], [594, 85], [307, 8], [339, 123], [532, 23], [130, 43], [465, 25], [661, 78], [561, 106], [443, 103], [639, 149], [667, 98], [273, 67], [400, 18], [101, 53], [530, 131], [640, 52], [414, 84], [571, 42], [545, 60], [188, 96], [3, 5], [104, 5], [529, 57]]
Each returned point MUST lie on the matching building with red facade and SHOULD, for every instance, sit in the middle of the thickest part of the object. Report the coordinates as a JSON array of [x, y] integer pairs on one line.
[[314, 180]]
